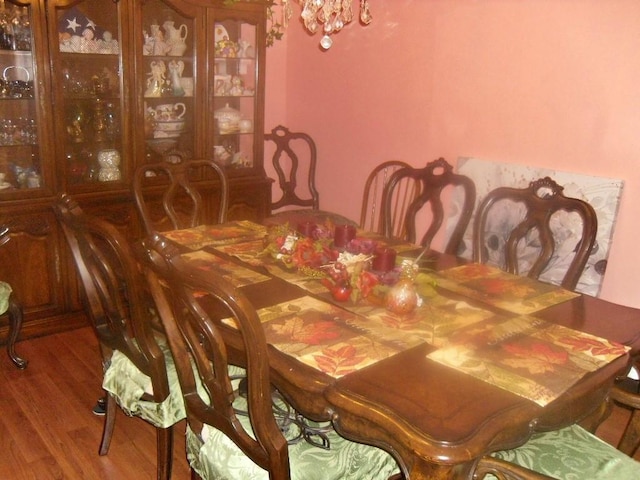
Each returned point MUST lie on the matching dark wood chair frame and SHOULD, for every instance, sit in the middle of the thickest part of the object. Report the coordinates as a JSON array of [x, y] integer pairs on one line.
[[196, 336], [626, 392], [434, 178], [283, 139], [119, 308], [371, 211], [14, 313], [179, 182], [542, 198], [297, 147]]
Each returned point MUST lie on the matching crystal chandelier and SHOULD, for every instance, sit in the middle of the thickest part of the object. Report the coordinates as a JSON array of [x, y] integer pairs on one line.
[[331, 16]]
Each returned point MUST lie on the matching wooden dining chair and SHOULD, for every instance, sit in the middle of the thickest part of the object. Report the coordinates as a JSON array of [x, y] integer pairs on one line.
[[222, 443], [138, 371], [568, 453], [10, 305], [527, 242], [435, 180], [295, 161], [371, 212], [626, 392], [168, 198]]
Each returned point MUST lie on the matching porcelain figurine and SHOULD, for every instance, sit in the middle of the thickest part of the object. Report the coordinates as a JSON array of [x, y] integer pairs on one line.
[[175, 74]]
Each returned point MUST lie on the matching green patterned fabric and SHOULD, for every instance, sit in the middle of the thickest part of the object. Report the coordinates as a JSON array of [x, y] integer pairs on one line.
[[127, 384], [220, 459], [5, 292], [572, 453]]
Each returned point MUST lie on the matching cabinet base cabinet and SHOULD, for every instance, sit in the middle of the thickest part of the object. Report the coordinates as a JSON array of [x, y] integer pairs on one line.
[[37, 264], [249, 199]]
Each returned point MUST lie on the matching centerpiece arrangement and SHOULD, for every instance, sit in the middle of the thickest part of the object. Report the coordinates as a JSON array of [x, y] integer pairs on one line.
[[351, 268]]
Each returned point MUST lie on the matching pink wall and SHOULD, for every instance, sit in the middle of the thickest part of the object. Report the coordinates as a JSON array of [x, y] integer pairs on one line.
[[551, 83]]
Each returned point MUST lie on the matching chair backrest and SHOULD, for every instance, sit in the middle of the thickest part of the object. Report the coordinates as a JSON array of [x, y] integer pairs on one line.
[[371, 218], [114, 294], [295, 154], [185, 301], [529, 240], [181, 205], [435, 179]]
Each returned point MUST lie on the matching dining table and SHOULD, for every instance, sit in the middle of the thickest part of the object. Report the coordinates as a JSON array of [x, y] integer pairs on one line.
[[484, 360]]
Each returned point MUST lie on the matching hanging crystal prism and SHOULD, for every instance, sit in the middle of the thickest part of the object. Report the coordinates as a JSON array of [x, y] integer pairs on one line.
[[333, 15]]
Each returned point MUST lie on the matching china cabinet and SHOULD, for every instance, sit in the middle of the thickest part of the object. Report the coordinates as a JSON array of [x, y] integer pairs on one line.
[[89, 90]]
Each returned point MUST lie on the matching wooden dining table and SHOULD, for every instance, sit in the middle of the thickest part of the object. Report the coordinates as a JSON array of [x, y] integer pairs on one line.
[[487, 359]]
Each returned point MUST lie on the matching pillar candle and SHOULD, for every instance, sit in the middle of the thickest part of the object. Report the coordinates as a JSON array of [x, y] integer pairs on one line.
[[384, 260], [343, 234], [306, 228]]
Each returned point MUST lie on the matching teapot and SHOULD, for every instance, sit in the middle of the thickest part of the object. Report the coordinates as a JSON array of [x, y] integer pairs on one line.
[[175, 37], [170, 111]]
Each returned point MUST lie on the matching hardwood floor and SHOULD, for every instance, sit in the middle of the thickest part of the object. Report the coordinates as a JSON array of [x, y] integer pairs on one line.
[[47, 430]]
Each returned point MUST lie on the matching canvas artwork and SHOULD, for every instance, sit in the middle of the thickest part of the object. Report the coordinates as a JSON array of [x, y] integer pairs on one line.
[[602, 193]]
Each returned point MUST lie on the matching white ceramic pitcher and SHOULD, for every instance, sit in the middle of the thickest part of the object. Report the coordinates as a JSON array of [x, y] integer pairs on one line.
[[175, 37]]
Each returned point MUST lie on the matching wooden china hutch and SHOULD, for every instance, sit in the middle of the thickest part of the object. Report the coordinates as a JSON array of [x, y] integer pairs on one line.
[[90, 89]]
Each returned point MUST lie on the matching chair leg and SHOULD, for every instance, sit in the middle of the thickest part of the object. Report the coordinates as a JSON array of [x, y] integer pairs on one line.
[[165, 452], [15, 324], [109, 424], [630, 440]]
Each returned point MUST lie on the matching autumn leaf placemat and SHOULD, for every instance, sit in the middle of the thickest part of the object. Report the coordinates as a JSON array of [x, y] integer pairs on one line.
[[237, 275], [527, 356], [222, 234], [318, 334], [513, 293], [247, 251]]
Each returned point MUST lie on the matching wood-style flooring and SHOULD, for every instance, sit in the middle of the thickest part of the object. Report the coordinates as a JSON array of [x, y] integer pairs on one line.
[[47, 429]]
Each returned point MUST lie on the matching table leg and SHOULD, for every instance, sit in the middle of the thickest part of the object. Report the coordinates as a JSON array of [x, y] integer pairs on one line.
[[15, 323]]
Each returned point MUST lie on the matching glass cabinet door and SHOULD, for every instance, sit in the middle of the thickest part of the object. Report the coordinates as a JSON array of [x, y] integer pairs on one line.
[[167, 81], [87, 77], [20, 155], [235, 89]]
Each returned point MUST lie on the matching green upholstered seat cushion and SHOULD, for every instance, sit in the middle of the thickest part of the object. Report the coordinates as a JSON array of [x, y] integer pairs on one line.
[[128, 384], [219, 458], [572, 453], [5, 292]]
